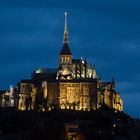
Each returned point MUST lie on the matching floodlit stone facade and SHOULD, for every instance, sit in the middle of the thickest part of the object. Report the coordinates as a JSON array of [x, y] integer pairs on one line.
[[7, 98], [73, 85]]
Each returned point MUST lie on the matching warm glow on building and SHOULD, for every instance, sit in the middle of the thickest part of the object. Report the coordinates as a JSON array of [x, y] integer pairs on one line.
[[74, 85]]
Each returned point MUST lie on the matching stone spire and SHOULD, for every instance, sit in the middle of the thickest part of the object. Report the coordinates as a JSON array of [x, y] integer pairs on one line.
[[65, 49], [65, 39], [113, 83], [113, 80], [94, 72]]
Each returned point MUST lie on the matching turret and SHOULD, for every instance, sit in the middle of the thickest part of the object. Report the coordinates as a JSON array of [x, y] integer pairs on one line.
[[113, 83], [94, 72]]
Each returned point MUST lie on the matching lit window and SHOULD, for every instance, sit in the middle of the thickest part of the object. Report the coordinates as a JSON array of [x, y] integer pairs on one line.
[[38, 71]]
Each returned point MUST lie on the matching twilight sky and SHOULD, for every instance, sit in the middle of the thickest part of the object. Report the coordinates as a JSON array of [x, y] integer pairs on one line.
[[106, 32]]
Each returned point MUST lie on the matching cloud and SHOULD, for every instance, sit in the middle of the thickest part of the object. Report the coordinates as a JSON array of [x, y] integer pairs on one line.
[[106, 32]]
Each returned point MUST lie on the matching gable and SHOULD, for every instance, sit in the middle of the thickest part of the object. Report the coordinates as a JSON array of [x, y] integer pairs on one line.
[[65, 71]]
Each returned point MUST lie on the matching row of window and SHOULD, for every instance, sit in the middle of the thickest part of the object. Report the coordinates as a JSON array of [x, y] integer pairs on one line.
[[63, 59], [70, 85]]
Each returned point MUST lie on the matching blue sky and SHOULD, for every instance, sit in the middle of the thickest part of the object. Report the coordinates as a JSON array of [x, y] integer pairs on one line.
[[107, 33]]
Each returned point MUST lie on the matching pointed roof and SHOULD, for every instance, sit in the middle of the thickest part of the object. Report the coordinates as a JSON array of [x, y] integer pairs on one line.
[[65, 38], [65, 49], [76, 61], [113, 80]]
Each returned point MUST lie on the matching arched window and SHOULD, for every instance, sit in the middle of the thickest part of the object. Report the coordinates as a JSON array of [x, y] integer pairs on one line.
[[65, 59]]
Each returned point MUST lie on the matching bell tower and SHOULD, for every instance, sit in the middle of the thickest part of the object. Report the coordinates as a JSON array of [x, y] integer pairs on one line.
[[65, 57]]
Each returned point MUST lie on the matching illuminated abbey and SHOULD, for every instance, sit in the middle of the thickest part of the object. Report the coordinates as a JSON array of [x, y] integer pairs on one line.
[[74, 85]]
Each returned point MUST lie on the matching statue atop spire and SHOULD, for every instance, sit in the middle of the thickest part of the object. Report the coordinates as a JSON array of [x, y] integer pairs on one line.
[[65, 41], [65, 13]]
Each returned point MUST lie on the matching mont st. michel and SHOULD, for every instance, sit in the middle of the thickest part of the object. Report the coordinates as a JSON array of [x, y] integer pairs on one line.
[[70, 102]]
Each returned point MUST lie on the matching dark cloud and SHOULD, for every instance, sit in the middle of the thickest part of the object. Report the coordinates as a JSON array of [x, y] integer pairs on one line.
[[106, 32]]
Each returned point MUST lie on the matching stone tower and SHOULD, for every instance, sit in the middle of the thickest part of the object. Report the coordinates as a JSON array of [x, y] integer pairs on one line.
[[65, 54]]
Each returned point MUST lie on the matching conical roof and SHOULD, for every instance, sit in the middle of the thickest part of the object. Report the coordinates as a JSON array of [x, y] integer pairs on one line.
[[65, 50]]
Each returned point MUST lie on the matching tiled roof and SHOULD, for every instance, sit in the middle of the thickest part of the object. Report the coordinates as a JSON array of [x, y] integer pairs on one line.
[[76, 61], [2, 91], [104, 84], [26, 81]]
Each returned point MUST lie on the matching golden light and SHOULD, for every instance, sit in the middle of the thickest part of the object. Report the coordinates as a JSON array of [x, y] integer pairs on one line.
[[114, 125]]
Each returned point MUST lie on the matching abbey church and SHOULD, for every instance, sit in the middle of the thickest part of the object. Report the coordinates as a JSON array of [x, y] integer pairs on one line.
[[74, 85]]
